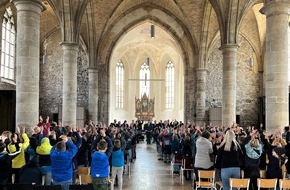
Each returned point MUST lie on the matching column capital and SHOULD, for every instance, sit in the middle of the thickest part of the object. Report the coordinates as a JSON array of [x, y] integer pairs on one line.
[[275, 7], [92, 69], [201, 73], [201, 70], [70, 45], [29, 5]]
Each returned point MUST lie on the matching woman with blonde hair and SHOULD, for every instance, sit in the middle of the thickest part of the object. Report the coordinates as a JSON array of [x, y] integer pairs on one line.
[[229, 154]]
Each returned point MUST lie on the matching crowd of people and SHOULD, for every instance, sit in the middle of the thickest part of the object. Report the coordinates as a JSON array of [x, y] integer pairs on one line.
[[230, 151], [55, 151]]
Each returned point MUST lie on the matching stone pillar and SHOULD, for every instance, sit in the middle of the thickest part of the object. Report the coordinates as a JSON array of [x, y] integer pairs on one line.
[[93, 94], [229, 84], [69, 100], [201, 76], [27, 61], [276, 89]]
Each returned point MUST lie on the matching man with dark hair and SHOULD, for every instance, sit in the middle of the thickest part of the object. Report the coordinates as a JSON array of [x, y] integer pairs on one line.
[[61, 162], [148, 127]]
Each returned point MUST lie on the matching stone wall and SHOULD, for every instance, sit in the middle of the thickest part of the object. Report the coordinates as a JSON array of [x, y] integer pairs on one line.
[[6, 86], [51, 78], [248, 86], [247, 83]]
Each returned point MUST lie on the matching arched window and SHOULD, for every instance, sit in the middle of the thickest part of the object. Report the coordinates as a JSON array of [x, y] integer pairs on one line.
[[120, 85], [8, 46], [145, 79], [169, 85]]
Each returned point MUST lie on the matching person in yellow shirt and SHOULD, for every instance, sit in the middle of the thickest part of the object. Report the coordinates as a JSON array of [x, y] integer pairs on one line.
[[16, 144], [43, 152]]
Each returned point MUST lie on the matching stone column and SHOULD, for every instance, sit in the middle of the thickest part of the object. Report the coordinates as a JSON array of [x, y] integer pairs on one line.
[[201, 76], [27, 61], [276, 89], [93, 93], [69, 100], [229, 84]]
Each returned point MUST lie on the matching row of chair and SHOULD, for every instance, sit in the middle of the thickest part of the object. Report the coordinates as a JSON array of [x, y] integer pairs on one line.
[[186, 164], [183, 163], [206, 179], [262, 183]]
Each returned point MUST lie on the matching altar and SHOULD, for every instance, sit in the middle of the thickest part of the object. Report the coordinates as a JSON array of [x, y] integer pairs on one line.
[[144, 107]]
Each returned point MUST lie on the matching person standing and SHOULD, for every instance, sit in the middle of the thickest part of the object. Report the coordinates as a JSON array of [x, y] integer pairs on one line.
[[204, 149], [6, 166], [19, 161], [31, 172], [254, 151], [102, 136], [148, 128], [43, 152], [61, 156], [100, 167], [229, 154], [117, 164]]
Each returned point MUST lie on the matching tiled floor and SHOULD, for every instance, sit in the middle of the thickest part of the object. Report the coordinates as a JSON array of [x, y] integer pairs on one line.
[[148, 173]]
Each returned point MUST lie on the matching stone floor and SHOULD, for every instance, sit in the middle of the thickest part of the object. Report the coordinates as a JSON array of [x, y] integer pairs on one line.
[[148, 173]]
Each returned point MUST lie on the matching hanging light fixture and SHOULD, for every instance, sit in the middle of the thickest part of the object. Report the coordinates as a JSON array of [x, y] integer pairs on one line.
[[148, 61]]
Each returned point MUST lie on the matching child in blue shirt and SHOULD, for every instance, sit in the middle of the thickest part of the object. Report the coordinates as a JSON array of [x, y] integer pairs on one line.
[[100, 167], [117, 164], [61, 156]]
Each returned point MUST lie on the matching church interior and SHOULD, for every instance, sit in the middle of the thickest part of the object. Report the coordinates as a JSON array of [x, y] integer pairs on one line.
[[203, 61]]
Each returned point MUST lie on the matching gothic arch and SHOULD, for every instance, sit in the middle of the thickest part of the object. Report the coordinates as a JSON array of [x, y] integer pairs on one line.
[[137, 14], [124, 23]]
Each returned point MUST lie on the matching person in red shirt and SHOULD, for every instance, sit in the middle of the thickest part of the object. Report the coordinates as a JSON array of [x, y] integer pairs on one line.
[[46, 126]]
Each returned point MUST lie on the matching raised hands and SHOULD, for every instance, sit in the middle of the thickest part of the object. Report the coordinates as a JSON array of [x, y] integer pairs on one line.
[[47, 119], [40, 119], [64, 138]]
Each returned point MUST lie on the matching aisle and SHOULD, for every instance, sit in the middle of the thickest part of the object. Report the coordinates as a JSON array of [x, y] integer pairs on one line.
[[148, 173]]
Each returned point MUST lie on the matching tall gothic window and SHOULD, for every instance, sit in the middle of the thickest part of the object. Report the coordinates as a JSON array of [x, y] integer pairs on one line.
[[169, 85], [8, 46], [120, 85], [144, 79]]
